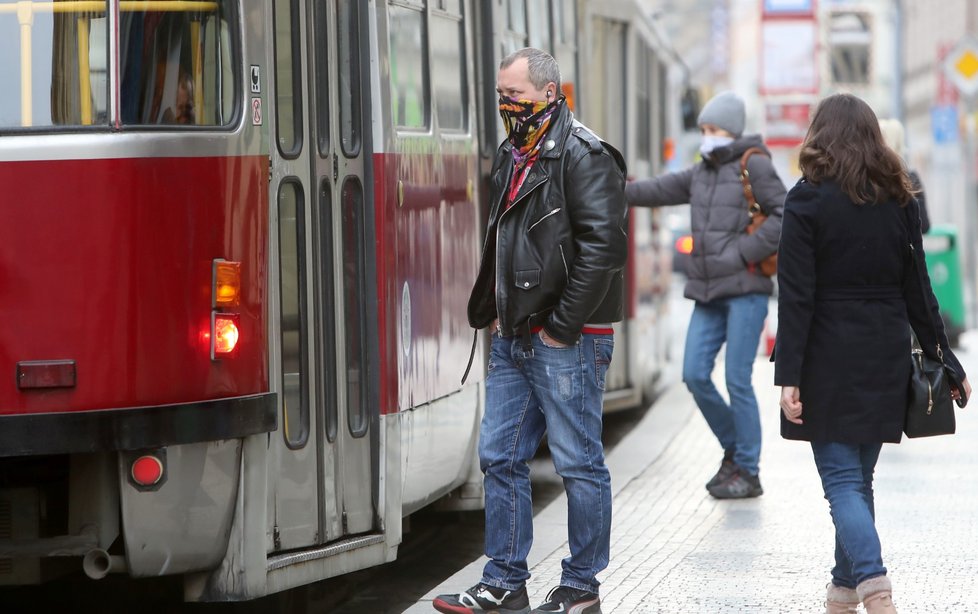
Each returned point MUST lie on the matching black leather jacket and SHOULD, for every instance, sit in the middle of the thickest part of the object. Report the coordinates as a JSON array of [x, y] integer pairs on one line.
[[555, 257]]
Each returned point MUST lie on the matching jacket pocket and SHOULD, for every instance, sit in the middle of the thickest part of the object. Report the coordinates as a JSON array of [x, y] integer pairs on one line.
[[527, 280], [547, 215]]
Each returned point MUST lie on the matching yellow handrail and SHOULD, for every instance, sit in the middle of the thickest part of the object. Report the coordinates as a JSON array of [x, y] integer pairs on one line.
[[84, 72], [26, 19], [96, 6]]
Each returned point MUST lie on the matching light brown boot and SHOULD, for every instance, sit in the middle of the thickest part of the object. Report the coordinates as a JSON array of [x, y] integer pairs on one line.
[[876, 595], [840, 600]]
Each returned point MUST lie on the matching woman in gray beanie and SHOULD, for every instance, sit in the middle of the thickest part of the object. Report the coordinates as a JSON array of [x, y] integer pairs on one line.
[[724, 279]]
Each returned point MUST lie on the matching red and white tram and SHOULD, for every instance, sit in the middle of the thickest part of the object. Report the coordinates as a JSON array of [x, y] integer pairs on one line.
[[236, 244]]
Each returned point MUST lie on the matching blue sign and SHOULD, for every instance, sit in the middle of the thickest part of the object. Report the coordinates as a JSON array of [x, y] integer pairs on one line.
[[944, 123], [777, 7]]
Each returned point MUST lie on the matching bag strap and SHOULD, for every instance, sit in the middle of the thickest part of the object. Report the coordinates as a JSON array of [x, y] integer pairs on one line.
[[920, 279], [752, 206]]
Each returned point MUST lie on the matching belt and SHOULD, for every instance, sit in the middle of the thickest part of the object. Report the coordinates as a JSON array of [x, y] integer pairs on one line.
[[856, 293]]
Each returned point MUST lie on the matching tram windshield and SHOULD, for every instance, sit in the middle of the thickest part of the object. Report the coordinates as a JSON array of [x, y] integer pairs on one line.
[[175, 63]]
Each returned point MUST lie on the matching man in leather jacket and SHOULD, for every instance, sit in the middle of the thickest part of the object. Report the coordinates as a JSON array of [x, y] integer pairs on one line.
[[550, 286]]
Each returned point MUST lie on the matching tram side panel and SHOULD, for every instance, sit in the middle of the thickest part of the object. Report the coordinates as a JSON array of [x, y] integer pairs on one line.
[[118, 208], [427, 213]]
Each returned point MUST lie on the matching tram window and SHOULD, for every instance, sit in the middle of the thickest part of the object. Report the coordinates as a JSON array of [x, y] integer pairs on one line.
[[452, 6], [565, 21], [288, 78], [643, 86], [354, 293], [538, 14], [449, 82], [517, 16], [176, 65], [409, 67], [348, 17], [850, 42], [327, 362], [515, 36], [65, 56], [565, 50], [292, 288], [322, 77]]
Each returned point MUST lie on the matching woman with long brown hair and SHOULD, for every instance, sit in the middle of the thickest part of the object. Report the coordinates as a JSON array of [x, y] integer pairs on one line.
[[848, 297]]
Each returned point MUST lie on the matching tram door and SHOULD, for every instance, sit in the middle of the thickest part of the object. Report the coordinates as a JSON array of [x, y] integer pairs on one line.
[[323, 487], [606, 67]]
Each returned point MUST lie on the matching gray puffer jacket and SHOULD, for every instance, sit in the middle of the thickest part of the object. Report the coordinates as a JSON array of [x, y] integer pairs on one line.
[[723, 258]]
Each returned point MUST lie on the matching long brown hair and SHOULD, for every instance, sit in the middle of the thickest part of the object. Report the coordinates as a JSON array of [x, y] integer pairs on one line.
[[844, 144]]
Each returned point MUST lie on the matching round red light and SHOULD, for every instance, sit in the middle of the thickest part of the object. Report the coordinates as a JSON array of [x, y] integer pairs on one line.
[[147, 470]]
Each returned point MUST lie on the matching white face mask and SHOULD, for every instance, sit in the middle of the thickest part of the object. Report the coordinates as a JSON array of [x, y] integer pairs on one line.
[[712, 141]]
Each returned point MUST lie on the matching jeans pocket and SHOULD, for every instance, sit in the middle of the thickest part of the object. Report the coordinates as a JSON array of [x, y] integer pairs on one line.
[[603, 349]]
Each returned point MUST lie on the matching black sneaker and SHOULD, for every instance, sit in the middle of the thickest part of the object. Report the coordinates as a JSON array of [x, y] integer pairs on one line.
[[727, 467], [740, 485], [483, 598], [571, 601]]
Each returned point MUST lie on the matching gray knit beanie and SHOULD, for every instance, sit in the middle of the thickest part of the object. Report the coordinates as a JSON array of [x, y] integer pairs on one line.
[[725, 110]]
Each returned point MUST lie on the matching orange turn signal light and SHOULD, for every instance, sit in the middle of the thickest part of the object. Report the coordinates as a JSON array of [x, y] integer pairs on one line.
[[225, 334], [684, 244], [668, 149], [226, 286]]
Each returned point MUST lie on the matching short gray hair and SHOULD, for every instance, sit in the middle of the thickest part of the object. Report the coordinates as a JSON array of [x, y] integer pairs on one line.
[[541, 65]]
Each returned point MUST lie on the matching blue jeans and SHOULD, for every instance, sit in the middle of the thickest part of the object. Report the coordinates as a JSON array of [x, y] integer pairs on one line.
[[557, 391], [847, 479], [738, 321]]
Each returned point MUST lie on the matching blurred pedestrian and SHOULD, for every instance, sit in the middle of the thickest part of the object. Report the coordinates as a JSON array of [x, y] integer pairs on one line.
[[549, 286], [724, 279], [892, 130], [849, 291]]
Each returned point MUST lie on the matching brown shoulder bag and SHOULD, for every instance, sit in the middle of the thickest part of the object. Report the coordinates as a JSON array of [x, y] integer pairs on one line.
[[768, 266]]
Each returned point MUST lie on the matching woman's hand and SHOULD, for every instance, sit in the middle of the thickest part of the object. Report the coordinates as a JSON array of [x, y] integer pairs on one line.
[[956, 394], [791, 404]]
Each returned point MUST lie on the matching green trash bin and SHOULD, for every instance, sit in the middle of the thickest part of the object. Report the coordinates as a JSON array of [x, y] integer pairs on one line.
[[941, 254]]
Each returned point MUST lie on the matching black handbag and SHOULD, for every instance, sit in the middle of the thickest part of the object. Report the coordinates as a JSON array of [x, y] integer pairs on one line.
[[930, 410]]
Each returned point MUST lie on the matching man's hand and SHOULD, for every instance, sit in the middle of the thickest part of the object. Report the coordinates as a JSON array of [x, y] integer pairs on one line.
[[550, 341]]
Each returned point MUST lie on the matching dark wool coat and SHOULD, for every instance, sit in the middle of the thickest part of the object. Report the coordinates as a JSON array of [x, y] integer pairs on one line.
[[847, 297], [721, 264]]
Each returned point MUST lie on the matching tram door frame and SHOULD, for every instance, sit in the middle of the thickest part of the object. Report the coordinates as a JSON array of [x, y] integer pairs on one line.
[[324, 482], [604, 76]]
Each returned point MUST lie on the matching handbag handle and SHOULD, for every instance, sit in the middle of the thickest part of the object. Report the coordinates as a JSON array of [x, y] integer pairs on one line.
[[752, 206]]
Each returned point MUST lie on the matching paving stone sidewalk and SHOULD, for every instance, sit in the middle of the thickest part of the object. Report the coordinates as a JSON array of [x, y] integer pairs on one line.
[[677, 550]]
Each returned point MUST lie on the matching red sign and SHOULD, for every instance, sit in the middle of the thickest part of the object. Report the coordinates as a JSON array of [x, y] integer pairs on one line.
[[947, 93], [786, 124]]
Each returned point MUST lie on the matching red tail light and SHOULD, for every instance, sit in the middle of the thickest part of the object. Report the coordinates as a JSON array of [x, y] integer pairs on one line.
[[225, 334], [147, 470]]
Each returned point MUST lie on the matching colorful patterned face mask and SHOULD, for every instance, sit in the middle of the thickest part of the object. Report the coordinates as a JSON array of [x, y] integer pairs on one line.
[[526, 121]]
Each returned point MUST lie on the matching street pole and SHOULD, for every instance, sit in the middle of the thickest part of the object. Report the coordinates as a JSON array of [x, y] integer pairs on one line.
[[898, 59], [970, 205], [971, 198]]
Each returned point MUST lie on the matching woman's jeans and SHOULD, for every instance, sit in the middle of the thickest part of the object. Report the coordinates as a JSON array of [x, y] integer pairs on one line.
[[557, 391], [738, 321], [847, 479]]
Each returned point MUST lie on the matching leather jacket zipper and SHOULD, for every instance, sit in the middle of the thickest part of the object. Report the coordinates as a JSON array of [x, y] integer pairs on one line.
[[534, 224]]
